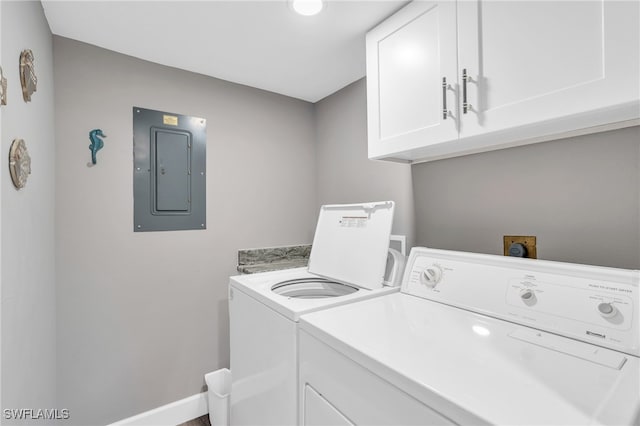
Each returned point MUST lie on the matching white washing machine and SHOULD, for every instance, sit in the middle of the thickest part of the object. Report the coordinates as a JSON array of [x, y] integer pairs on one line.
[[478, 339], [347, 264]]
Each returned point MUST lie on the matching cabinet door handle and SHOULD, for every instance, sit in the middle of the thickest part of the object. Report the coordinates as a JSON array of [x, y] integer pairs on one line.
[[445, 113], [465, 78]]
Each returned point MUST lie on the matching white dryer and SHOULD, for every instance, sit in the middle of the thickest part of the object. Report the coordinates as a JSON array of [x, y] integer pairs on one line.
[[347, 264], [478, 339]]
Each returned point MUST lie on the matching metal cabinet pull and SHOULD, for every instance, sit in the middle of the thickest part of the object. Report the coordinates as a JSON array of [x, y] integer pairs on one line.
[[465, 78], [445, 113]]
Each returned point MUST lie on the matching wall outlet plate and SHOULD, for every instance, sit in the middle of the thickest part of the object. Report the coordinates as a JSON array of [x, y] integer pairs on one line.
[[528, 241]]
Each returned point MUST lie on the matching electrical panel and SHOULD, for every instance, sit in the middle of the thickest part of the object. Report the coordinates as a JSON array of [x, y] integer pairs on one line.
[[169, 175]]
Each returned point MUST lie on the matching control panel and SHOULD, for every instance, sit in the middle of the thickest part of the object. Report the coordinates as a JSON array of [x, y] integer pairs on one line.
[[593, 304]]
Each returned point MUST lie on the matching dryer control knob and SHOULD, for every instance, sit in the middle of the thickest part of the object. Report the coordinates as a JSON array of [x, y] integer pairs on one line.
[[431, 275], [607, 310]]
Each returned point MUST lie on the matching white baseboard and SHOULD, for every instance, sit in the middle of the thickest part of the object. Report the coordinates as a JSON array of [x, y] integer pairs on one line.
[[171, 414]]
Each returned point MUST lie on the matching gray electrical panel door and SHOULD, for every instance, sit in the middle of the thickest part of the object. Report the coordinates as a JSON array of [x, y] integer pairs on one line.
[[169, 183], [172, 165]]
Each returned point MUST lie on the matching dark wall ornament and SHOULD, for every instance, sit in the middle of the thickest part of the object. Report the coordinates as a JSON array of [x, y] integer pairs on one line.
[[3, 88], [28, 77], [19, 163]]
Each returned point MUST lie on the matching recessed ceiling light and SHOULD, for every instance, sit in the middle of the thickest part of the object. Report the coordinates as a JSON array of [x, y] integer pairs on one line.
[[307, 7]]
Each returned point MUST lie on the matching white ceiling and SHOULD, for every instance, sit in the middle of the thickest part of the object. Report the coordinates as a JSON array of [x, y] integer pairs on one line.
[[262, 44]]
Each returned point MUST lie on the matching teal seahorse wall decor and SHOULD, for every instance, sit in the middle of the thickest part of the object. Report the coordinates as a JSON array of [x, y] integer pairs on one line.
[[96, 143]]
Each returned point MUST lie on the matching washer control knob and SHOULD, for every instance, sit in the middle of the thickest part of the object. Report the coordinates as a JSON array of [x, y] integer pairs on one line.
[[431, 275], [528, 296], [607, 310]]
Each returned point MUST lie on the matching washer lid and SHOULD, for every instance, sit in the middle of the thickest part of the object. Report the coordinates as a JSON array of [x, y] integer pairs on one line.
[[351, 242]]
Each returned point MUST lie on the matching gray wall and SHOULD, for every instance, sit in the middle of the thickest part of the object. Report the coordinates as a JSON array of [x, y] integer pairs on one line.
[[27, 218], [143, 316], [345, 175], [579, 196]]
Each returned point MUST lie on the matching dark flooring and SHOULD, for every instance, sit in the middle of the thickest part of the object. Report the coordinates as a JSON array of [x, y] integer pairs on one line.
[[200, 421]]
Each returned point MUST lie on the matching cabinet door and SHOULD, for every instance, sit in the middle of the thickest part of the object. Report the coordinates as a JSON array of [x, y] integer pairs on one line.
[[408, 55], [534, 61]]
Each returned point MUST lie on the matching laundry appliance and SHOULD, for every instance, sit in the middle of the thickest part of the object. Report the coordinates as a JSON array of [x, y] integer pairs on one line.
[[347, 263], [478, 339]]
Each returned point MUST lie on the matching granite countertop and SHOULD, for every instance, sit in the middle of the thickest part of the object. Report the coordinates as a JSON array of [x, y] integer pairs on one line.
[[273, 259]]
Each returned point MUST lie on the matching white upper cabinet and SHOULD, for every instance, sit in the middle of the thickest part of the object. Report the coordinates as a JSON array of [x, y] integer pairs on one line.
[[531, 61], [408, 56], [525, 71]]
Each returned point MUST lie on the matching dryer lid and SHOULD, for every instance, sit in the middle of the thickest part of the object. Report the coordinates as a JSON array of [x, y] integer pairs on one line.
[[351, 242]]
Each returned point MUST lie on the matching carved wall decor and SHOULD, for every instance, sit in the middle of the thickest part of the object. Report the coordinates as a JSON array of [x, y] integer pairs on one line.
[[28, 77], [3, 88], [19, 163]]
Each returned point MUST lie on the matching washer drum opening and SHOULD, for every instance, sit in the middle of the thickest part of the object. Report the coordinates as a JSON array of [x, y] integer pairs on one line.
[[312, 288]]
